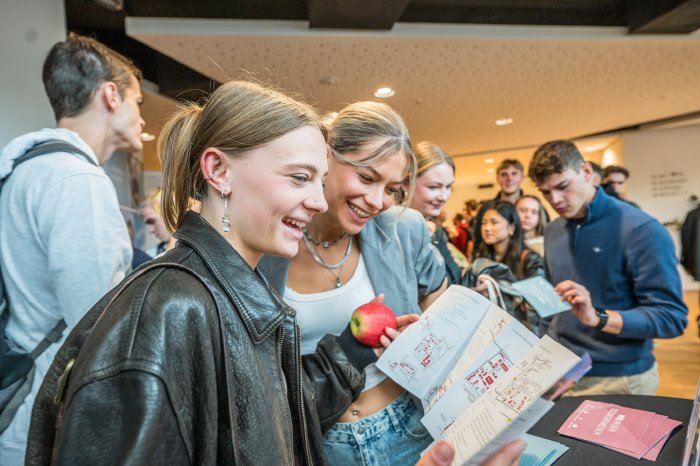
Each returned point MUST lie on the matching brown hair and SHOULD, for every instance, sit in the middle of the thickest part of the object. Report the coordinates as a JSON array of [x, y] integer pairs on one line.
[[76, 67], [237, 117], [610, 169], [428, 155], [542, 219], [507, 163], [361, 123], [554, 157]]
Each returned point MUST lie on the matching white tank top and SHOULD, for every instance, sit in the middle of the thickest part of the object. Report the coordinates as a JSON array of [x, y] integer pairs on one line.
[[329, 312]]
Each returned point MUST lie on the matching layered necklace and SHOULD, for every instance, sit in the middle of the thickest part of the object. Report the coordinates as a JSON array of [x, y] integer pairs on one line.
[[308, 239]]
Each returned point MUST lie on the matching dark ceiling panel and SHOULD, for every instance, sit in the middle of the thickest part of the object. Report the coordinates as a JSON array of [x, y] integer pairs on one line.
[[515, 12], [258, 9], [664, 17], [355, 14]]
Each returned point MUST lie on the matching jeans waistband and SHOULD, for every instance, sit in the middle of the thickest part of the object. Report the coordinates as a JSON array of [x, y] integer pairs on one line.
[[390, 416]]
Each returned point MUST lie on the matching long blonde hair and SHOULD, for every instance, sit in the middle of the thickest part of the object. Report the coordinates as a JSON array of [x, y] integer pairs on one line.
[[237, 117], [361, 123], [428, 155]]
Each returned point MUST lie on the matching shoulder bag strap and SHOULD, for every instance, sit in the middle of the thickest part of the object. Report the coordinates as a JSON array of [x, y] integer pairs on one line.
[[47, 147]]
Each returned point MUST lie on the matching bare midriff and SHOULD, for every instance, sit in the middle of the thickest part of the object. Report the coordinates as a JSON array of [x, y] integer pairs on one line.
[[372, 400]]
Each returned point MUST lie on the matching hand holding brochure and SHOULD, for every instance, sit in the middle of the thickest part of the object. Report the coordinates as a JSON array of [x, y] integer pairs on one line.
[[540, 294], [479, 372]]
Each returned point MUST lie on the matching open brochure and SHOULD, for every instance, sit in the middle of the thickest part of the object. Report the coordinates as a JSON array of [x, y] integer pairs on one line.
[[479, 373]]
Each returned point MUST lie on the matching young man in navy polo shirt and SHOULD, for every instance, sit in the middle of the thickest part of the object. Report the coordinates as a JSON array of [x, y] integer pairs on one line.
[[616, 266]]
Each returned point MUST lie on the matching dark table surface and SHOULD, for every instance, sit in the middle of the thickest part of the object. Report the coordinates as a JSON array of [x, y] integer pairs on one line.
[[588, 454]]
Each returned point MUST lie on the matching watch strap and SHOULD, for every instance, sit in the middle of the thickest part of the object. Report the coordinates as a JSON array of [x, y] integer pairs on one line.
[[603, 316]]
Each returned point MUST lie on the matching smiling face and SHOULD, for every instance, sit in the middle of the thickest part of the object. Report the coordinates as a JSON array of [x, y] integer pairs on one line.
[[529, 213], [356, 194], [275, 189], [433, 189], [569, 192], [495, 229], [510, 179], [126, 121]]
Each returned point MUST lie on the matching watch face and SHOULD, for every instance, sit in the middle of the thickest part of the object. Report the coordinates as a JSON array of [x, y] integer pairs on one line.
[[603, 316]]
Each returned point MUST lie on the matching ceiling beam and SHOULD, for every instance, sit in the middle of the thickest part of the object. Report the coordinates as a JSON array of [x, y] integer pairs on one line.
[[355, 14], [663, 16]]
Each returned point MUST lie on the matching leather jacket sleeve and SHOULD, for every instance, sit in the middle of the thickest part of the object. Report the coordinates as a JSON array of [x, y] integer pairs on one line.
[[336, 374], [141, 428], [533, 265]]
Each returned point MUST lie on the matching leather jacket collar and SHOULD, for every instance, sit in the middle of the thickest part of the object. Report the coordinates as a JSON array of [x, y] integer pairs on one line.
[[259, 308]]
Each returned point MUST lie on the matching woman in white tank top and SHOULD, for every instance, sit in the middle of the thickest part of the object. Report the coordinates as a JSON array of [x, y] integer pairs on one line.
[[371, 168]]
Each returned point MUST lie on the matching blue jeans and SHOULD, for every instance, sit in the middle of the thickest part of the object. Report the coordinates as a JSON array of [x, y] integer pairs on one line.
[[393, 436]]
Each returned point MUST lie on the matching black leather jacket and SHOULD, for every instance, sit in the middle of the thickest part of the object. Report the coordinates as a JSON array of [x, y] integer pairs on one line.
[[151, 385]]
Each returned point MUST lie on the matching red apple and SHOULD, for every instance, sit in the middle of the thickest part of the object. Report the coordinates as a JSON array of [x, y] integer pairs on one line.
[[368, 322]]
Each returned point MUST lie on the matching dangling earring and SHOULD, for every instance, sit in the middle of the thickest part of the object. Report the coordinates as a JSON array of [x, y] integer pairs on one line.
[[224, 220]]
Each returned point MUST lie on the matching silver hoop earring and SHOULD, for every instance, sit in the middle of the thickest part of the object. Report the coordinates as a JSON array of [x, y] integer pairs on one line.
[[224, 220]]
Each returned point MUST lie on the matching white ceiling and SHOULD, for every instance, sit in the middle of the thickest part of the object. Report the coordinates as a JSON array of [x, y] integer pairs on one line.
[[453, 81]]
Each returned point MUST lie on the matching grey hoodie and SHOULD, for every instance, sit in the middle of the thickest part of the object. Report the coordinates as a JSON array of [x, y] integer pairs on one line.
[[63, 245]]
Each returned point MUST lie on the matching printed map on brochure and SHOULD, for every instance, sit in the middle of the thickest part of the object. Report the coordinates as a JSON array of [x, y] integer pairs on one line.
[[426, 351], [479, 372]]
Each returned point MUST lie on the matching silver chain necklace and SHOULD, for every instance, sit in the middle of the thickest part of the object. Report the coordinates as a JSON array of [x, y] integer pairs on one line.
[[330, 267], [325, 244]]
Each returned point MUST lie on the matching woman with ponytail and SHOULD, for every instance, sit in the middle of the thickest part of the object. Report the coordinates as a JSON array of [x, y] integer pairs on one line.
[[193, 359]]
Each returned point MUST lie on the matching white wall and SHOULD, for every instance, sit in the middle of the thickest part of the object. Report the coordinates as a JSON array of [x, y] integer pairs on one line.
[[664, 170], [28, 29]]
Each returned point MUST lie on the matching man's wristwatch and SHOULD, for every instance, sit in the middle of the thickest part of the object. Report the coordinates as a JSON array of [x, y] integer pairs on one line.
[[603, 316]]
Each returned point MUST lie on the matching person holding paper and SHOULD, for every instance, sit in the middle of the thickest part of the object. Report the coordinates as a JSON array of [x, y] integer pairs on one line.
[[616, 266], [502, 236], [361, 247], [197, 361], [442, 454]]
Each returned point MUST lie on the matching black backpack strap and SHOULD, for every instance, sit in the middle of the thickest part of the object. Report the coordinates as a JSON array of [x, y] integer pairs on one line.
[[52, 337], [48, 147]]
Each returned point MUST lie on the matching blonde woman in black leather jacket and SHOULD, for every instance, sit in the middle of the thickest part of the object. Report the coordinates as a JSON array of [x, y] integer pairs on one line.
[[197, 361]]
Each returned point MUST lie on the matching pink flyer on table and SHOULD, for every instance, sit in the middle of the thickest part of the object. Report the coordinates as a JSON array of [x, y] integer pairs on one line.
[[609, 425]]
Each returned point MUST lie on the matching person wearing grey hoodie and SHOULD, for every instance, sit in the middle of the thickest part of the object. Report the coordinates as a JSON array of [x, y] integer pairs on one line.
[[63, 240]]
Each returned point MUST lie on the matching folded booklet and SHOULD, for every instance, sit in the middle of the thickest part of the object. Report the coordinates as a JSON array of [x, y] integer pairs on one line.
[[479, 372], [540, 294], [541, 451]]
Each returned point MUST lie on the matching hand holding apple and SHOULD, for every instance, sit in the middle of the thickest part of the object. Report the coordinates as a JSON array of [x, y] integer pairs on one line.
[[369, 321]]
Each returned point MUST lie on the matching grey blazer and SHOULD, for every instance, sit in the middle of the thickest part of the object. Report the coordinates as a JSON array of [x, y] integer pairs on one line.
[[400, 258]]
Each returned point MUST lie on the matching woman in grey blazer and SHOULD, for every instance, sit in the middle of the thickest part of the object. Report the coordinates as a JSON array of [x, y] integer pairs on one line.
[[365, 246]]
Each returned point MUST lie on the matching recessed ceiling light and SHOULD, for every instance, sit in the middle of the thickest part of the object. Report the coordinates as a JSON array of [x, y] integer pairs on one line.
[[504, 121], [489, 160], [146, 137], [489, 170], [384, 92]]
